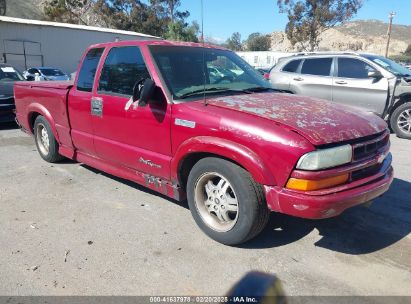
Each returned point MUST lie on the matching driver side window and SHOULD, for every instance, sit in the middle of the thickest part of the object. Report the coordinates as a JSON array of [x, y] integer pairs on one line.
[[124, 66]]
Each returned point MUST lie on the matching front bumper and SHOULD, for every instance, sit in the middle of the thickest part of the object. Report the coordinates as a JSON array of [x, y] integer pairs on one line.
[[330, 204]]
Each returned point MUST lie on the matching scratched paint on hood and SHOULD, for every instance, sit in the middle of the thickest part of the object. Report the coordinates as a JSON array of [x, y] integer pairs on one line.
[[321, 122]]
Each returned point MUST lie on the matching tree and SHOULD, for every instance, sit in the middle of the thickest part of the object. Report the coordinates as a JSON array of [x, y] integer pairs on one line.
[[258, 42], [3, 7], [147, 16], [71, 11], [131, 15], [179, 31], [408, 50], [234, 42], [169, 8], [308, 19]]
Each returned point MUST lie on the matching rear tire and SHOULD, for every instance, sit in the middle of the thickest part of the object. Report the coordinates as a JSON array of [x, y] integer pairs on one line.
[[46, 143], [400, 121], [225, 201]]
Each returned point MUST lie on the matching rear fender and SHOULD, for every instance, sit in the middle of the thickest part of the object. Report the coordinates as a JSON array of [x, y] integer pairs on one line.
[[239, 154], [34, 108]]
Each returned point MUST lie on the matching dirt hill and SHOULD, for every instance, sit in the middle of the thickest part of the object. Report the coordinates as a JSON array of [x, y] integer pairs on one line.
[[363, 35]]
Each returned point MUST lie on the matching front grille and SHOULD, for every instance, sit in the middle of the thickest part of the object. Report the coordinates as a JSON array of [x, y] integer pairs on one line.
[[366, 172], [370, 148]]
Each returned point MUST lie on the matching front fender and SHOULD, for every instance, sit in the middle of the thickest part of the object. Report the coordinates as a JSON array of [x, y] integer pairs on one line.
[[42, 110], [240, 154]]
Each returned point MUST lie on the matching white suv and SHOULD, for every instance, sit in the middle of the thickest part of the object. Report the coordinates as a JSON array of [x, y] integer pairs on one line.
[[370, 82]]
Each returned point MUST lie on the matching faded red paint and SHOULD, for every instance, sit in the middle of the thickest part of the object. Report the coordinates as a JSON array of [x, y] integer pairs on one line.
[[266, 133], [318, 121]]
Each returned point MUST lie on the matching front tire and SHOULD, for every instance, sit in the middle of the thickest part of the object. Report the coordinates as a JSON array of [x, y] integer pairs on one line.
[[225, 201], [401, 121], [46, 143]]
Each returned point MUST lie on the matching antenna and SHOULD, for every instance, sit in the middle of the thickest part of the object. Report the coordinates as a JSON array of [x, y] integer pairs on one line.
[[202, 21], [204, 63]]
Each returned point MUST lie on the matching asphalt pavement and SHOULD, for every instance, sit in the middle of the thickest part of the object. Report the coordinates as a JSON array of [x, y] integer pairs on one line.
[[67, 229]]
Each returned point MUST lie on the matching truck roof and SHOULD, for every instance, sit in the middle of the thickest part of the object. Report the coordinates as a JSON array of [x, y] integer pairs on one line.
[[157, 42]]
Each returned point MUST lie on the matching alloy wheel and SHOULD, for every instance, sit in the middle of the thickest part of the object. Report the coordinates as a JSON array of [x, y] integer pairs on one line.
[[216, 201]]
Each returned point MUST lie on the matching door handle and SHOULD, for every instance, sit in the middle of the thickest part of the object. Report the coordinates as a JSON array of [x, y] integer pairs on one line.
[[298, 79], [97, 106], [341, 82]]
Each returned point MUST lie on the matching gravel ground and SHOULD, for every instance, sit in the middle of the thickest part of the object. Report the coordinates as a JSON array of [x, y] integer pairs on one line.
[[67, 229]]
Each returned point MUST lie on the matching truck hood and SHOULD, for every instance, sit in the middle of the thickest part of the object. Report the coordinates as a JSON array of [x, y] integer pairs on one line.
[[321, 122]]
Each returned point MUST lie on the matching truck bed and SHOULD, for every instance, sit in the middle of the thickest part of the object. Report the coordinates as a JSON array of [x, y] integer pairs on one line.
[[48, 99]]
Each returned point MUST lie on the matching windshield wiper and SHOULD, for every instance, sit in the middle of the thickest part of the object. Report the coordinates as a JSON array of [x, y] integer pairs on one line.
[[222, 89], [211, 90]]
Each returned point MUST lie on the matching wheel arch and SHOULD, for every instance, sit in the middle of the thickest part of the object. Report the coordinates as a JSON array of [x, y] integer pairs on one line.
[[194, 149], [35, 110], [403, 98]]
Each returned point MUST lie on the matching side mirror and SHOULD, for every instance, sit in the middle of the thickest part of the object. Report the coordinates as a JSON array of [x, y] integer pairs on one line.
[[375, 74], [30, 78], [143, 91]]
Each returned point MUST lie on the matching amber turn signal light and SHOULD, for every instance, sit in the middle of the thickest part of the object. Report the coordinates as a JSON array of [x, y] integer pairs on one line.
[[311, 185]]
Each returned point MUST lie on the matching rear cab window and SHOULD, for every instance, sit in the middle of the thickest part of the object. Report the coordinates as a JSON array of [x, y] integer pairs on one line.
[[317, 66], [88, 70], [122, 69]]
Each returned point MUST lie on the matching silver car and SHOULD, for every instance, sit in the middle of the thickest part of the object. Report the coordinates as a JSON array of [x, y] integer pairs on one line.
[[45, 73], [370, 82]]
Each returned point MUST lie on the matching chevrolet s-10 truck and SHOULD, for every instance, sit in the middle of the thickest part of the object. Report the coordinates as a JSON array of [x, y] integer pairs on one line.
[[196, 122]]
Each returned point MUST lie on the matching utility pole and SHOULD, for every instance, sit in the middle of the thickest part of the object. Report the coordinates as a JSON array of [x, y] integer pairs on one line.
[[391, 16]]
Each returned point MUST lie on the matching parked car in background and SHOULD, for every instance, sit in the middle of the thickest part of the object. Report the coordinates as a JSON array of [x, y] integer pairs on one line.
[[8, 76], [45, 73], [149, 112], [369, 82], [264, 72]]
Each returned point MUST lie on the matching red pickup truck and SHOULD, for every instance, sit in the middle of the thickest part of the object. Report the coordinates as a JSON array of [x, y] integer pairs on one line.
[[196, 121]]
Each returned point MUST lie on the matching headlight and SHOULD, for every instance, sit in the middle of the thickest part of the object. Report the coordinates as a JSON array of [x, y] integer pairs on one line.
[[327, 158]]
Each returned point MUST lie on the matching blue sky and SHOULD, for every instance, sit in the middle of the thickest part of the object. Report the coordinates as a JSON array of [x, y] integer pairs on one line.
[[223, 17]]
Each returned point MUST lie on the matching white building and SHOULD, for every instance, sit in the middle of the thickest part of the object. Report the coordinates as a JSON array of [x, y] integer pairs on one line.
[[31, 43], [263, 60]]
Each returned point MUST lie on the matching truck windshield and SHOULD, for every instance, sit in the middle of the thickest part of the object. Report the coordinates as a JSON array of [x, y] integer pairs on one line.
[[194, 71], [390, 65]]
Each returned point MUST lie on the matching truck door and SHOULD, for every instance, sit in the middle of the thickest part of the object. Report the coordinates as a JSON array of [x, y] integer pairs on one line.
[[353, 87], [79, 106], [126, 134]]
